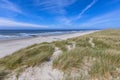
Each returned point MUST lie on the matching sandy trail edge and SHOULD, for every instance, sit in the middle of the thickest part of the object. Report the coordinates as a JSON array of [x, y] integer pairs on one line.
[[91, 42], [8, 47]]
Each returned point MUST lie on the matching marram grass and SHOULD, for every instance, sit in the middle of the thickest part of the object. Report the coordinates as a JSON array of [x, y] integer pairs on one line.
[[103, 60], [29, 56]]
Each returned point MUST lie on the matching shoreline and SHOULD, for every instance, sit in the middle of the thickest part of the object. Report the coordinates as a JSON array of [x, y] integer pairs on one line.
[[36, 36], [11, 46]]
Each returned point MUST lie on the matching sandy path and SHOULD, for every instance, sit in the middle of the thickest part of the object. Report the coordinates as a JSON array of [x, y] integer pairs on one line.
[[91, 42], [44, 71], [8, 47], [72, 46]]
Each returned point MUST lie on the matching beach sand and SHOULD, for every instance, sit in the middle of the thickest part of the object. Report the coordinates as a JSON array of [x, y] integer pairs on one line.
[[8, 47]]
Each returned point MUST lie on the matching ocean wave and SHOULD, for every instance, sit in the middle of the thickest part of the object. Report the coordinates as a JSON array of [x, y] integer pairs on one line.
[[7, 36], [26, 35]]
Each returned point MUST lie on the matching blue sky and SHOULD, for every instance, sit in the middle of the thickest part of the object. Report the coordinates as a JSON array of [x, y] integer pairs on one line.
[[59, 14]]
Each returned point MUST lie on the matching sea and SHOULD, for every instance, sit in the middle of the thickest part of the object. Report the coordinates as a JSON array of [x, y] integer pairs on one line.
[[20, 34]]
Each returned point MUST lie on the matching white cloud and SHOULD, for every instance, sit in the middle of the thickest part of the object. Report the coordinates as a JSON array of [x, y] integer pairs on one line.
[[86, 8], [108, 18], [69, 21], [55, 6], [8, 5], [11, 23]]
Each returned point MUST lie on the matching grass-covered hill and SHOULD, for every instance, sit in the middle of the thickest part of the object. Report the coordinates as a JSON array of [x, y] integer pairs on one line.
[[95, 56]]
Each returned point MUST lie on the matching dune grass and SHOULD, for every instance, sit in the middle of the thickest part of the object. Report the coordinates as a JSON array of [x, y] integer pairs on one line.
[[71, 59], [106, 54], [105, 63], [29, 56], [62, 45]]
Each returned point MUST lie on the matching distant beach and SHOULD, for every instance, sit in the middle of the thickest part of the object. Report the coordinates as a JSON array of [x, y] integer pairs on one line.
[[11, 42]]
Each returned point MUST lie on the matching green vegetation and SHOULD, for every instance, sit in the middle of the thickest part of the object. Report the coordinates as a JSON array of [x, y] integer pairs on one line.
[[61, 44], [30, 56], [106, 54], [81, 41], [71, 59]]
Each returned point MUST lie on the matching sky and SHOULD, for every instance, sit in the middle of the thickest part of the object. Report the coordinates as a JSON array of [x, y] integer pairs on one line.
[[59, 14]]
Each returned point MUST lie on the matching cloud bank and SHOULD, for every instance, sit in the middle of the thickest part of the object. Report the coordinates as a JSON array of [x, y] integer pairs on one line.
[[8, 5], [10, 23]]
